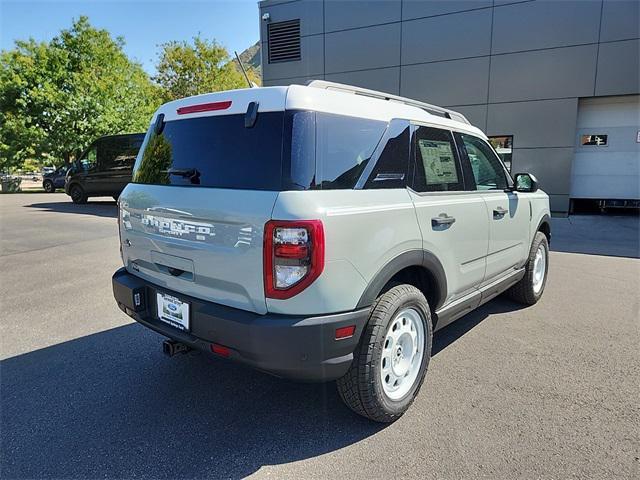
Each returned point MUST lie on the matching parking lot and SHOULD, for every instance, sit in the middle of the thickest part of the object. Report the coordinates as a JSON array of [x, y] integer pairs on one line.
[[549, 391]]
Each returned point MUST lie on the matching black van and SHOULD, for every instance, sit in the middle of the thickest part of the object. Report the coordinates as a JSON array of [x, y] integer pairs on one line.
[[104, 169]]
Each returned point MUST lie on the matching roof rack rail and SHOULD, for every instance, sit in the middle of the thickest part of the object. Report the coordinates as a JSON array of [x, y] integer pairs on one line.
[[433, 109]]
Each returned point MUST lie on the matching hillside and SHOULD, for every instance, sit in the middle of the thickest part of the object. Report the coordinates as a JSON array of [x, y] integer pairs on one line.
[[251, 57]]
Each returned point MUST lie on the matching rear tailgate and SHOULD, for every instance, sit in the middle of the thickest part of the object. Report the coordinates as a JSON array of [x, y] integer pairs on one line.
[[204, 185], [203, 242]]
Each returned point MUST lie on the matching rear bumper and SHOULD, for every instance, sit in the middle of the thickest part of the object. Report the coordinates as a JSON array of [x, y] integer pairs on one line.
[[290, 346]]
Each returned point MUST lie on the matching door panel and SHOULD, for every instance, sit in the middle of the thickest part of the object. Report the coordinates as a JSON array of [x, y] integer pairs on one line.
[[508, 215], [453, 222], [89, 174], [508, 212], [116, 158], [461, 246]]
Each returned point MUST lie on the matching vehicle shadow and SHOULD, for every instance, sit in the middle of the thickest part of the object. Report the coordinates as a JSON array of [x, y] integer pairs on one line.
[[100, 208], [111, 405]]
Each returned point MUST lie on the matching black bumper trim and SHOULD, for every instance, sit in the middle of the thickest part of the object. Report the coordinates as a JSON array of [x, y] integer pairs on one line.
[[290, 346]]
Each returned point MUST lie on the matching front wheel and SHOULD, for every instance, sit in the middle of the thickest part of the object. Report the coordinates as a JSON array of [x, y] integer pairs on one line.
[[391, 360], [49, 187], [77, 194], [530, 288]]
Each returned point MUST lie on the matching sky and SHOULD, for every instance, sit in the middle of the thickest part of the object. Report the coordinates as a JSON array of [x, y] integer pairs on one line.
[[144, 24]]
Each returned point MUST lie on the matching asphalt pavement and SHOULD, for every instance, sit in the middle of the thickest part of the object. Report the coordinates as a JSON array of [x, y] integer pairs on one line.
[[549, 391]]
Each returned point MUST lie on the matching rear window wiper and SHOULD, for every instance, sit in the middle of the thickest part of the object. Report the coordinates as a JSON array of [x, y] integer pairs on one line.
[[191, 173]]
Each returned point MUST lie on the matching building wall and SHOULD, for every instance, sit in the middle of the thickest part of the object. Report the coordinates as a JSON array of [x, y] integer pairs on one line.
[[512, 67]]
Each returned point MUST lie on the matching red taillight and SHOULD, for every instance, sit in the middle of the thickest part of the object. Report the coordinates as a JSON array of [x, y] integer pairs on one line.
[[293, 256], [345, 332], [204, 107]]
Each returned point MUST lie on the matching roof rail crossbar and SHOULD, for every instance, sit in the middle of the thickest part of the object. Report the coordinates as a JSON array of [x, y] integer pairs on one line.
[[433, 109]]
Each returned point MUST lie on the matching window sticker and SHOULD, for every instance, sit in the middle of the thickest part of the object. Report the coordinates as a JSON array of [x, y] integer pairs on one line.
[[439, 162]]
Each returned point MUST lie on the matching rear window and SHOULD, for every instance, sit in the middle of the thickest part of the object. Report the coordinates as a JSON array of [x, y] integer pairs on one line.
[[293, 150], [218, 150]]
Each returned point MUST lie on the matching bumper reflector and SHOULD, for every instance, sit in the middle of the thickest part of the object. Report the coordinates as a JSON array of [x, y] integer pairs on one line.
[[220, 350], [345, 332]]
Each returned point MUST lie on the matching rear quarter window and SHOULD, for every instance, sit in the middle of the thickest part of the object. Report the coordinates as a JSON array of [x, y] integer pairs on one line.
[[391, 168], [344, 146]]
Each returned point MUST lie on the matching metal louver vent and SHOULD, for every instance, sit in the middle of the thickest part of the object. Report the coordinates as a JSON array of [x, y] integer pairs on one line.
[[284, 41]]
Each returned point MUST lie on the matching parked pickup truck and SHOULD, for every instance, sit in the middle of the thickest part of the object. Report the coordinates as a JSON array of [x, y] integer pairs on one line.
[[323, 232]]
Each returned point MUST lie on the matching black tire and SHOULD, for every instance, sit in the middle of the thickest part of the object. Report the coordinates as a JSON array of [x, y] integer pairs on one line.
[[48, 186], [361, 388], [77, 194], [524, 291]]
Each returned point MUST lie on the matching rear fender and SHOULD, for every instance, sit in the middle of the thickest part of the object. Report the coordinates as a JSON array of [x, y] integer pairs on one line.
[[411, 258]]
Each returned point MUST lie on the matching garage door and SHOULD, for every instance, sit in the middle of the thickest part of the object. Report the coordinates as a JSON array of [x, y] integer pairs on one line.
[[607, 159]]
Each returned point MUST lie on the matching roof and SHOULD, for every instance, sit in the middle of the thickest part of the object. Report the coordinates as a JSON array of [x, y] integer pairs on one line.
[[325, 97]]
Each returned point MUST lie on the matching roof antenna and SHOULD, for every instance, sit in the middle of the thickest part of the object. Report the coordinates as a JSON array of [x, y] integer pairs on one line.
[[251, 84]]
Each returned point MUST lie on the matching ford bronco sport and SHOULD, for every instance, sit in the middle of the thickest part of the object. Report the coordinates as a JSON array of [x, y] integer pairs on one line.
[[323, 232]]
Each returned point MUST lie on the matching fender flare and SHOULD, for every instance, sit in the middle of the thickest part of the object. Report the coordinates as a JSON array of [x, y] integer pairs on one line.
[[410, 258], [546, 219]]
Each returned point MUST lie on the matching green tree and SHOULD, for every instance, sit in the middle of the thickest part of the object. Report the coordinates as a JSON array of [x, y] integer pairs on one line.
[[156, 161], [204, 66], [56, 97]]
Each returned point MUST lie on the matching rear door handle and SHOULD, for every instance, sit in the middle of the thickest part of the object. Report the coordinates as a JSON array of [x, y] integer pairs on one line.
[[499, 212], [442, 219]]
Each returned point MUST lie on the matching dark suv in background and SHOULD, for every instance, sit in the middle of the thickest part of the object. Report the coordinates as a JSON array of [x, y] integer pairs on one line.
[[104, 169], [55, 179]]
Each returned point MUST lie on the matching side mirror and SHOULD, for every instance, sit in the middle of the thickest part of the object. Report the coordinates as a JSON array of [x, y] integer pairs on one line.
[[525, 182]]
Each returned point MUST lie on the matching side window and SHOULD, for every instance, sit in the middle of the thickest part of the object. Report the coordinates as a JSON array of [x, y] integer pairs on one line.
[[131, 153], [437, 168], [485, 165], [392, 166], [89, 160], [343, 148], [118, 153], [504, 148]]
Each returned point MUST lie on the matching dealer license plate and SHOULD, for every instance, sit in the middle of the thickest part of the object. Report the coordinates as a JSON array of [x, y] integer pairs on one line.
[[173, 311]]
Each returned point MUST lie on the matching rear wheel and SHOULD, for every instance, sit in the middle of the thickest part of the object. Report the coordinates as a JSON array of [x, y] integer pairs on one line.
[[48, 186], [530, 288], [391, 360], [77, 194]]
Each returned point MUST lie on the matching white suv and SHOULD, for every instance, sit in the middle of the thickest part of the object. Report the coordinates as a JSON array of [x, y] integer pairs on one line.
[[323, 232]]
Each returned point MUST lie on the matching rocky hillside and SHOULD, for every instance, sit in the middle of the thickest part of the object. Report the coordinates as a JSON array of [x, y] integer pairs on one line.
[[251, 57]]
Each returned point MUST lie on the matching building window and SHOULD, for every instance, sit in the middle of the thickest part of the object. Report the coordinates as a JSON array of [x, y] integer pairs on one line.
[[504, 148], [594, 140], [284, 41]]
